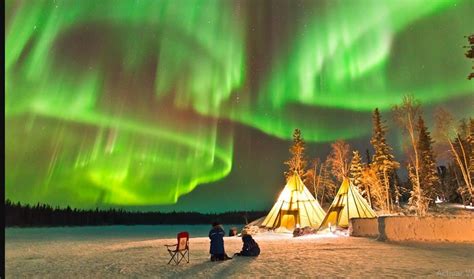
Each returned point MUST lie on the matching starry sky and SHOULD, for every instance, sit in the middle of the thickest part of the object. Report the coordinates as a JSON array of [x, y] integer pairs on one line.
[[190, 104]]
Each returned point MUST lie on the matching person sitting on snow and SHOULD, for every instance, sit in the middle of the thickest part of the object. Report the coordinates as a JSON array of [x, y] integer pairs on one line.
[[217, 243], [250, 248]]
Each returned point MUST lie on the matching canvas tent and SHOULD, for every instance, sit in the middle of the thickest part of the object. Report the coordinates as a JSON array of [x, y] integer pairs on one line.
[[347, 204], [295, 207]]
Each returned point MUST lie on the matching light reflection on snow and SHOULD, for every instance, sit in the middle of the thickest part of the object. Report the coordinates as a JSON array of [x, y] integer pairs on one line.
[[320, 235]]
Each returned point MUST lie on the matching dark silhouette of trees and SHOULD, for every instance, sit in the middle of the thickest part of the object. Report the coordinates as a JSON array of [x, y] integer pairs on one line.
[[428, 172], [42, 215], [460, 143]]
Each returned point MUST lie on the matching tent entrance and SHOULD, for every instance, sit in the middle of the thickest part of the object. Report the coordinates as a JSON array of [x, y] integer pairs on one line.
[[335, 215], [289, 219]]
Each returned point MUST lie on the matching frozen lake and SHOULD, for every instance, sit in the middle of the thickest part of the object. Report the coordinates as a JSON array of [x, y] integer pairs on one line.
[[138, 232]]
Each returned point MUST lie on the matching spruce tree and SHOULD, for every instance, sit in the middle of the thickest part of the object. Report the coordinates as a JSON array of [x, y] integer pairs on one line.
[[297, 162], [383, 160], [356, 169], [429, 180]]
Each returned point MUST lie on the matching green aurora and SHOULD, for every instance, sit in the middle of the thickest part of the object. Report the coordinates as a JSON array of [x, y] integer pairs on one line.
[[133, 102]]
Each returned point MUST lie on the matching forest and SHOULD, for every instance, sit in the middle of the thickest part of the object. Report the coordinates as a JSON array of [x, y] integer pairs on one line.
[[376, 173], [42, 215]]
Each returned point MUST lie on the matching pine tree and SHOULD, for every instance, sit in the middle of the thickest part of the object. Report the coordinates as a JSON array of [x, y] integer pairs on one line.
[[356, 169], [383, 160], [429, 179], [297, 162]]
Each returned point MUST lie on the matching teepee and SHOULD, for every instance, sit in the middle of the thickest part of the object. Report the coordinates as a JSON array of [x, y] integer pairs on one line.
[[347, 204], [295, 207]]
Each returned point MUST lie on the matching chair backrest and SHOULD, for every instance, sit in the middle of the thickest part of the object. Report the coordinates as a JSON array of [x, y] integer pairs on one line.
[[183, 239]]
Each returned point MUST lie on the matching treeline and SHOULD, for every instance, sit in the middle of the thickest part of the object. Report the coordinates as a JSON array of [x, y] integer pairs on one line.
[[375, 171], [43, 215]]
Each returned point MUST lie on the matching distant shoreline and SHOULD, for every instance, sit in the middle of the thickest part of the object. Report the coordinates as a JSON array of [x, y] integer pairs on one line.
[[127, 225]]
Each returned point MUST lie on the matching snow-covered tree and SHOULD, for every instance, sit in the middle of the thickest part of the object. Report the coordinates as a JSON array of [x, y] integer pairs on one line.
[[297, 162], [417, 202], [374, 190], [383, 160], [406, 115], [356, 169]]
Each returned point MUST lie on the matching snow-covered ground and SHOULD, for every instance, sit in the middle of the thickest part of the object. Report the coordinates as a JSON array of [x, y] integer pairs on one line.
[[322, 255]]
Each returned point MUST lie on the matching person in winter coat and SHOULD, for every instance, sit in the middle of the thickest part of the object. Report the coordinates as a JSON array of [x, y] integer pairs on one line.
[[250, 248], [217, 243]]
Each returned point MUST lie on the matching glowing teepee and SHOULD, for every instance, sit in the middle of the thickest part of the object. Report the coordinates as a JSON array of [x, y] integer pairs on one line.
[[295, 207], [347, 204]]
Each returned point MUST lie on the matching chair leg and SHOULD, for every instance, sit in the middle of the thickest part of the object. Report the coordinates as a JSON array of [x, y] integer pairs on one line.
[[172, 257], [180, 257]]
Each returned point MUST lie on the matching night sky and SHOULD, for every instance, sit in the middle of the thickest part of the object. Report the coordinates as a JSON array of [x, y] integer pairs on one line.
[[190, 104]]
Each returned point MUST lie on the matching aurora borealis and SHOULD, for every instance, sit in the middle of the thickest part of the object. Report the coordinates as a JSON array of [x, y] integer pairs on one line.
[[136, 103]]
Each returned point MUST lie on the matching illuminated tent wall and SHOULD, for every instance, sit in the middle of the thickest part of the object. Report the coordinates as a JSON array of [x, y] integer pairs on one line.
[[295, 206], [347, 204]]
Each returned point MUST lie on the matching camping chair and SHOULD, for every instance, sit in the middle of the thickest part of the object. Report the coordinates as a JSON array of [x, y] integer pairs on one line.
[[181, 249]]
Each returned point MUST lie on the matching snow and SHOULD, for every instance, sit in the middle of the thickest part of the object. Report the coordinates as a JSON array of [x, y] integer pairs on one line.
[[321, 255]]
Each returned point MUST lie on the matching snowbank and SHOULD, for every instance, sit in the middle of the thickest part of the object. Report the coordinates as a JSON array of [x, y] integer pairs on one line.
[[412, 228], [365, 227], [450, 229]]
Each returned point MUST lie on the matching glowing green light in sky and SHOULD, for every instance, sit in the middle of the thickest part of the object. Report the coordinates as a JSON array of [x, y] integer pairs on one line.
[[123, 102], [114, 152], [341, 57]]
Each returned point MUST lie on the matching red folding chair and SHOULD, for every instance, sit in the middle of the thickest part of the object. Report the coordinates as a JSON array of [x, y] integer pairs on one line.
[[181, 249]]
